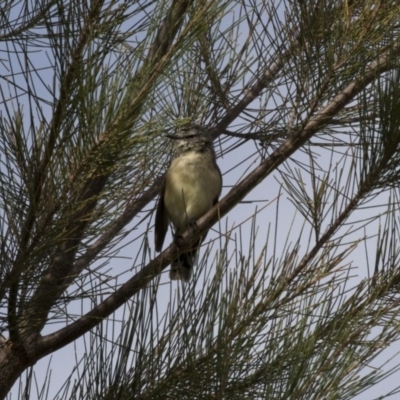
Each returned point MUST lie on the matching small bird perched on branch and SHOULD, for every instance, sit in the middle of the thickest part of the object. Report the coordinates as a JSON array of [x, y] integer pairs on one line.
[[191, 188]]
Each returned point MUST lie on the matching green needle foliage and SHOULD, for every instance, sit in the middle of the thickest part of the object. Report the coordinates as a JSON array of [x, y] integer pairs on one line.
[[296, 291]]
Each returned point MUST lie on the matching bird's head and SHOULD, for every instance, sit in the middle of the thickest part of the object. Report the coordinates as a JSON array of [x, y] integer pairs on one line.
[[191, 138]]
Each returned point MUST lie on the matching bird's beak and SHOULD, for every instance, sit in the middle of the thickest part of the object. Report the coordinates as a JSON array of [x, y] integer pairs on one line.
[[173, 136], [176, 137]]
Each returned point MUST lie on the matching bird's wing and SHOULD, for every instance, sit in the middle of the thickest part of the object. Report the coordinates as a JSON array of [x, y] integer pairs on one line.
[[215, 201], [161, 224]]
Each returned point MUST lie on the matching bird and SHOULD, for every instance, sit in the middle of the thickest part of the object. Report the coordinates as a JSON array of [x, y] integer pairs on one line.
[[192, 186]]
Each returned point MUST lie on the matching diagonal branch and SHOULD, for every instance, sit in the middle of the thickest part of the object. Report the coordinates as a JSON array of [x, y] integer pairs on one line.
[[66, 335]]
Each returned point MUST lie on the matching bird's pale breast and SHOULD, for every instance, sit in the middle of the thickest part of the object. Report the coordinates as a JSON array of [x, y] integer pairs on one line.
[[193, 182]]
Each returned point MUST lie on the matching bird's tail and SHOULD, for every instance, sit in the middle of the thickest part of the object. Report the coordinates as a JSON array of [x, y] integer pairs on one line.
[[182, 267]]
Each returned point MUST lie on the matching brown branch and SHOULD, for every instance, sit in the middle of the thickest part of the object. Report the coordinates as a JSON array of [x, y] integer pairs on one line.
[[71, 332], [168, 30]]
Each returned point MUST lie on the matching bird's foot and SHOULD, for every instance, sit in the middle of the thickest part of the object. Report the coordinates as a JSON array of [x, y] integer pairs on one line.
[[178, 238], [179, 241], [193, 225]]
